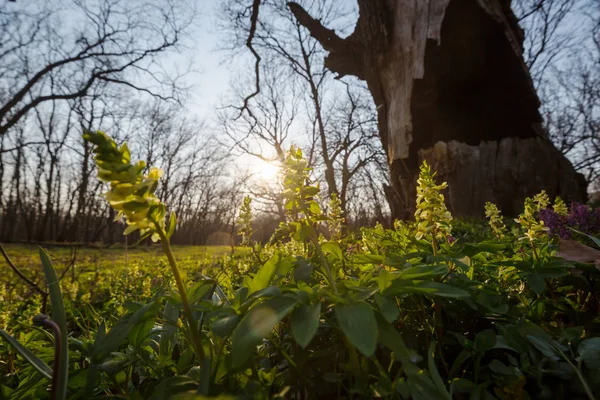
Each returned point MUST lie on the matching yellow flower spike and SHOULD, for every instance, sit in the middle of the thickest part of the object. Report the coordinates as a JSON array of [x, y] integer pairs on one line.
[[431, 215], [534, 230], [541, 200], [131, 192], [560, 207], [495, 220]]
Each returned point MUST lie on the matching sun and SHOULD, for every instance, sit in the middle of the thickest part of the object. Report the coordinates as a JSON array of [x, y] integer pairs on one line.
[[267, 171]]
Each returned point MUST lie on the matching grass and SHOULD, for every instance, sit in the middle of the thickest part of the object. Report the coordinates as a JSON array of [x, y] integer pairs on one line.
[[94, 275], [26, 257]]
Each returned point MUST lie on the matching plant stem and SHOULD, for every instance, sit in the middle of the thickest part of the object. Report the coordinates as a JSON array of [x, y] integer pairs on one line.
[[535, 254], [187, 309], [587, 389], [24, 278], [326, 266], [45, 321], [353, 355]]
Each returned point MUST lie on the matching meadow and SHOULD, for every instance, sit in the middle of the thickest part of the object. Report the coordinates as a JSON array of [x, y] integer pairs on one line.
[[435, 308]]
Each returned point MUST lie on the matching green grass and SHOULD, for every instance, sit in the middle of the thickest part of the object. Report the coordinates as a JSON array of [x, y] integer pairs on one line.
[[26, 256], [101, 279]]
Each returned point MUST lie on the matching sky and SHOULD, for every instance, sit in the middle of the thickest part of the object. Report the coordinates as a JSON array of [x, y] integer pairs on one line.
[[212, 80]]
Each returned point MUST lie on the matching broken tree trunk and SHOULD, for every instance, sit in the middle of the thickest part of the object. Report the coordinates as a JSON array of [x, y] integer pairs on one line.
[[451, 72]]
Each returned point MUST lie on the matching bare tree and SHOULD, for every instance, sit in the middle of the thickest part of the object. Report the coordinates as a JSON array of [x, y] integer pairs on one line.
[[545, 42], [43, 59], [356, 150], [263, 129], [562, 48], [335, 149]]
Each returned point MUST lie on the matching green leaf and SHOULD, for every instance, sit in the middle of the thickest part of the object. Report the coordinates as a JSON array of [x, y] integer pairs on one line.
[[135, 205], [224, 326], [487, 247], [594, 239], [172, 224], [421, 272], [256, 325], [31, 358], [60, 318], [435, 375], [168, 335], [536, 283], [392, 339], [333, 249], [265, 274], [387, 306], [432, 288], [544, 347], [368, 259], [118, 334], [200, 290], [315, 208], [460, 385], [485, 340], [173, 386], [444, 290], [498, 367], [270, 291], [458, 362], [304, 323], [384, 280], [303, 270], [589, 352], [492, 301], [502, 344], [140, 332], [358, 323], [240, 297]]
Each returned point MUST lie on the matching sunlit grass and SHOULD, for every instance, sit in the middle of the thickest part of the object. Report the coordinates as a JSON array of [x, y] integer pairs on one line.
[[27, 257]]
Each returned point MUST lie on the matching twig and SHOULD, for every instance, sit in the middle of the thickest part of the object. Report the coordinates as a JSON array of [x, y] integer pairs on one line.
[[24, 278]]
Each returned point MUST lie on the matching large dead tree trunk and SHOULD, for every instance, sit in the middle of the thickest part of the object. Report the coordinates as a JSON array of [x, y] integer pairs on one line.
[[451, 72]]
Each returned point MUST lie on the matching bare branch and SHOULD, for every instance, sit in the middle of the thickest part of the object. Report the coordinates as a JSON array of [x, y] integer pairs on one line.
[[249, 45]]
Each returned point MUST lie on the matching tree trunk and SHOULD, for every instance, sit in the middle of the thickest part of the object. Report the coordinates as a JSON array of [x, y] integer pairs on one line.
[[452, 71]]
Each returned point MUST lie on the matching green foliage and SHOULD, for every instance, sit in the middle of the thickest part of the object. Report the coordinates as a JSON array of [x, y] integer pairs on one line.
[[408, 313], [60, 318]]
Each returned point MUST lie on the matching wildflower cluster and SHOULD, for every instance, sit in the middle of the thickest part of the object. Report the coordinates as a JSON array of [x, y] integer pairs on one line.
[[335, 217], [298, 194], [245, 222], [560, 207], [131, 192], [495, 220], [541, 200], [432, 216], [580, 216], [533, 228]]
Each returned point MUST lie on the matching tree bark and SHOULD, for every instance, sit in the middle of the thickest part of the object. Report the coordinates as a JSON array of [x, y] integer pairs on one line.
[[451, 71]]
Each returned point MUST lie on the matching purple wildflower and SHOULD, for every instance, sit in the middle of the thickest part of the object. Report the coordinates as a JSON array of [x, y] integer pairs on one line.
[[581, 217]]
